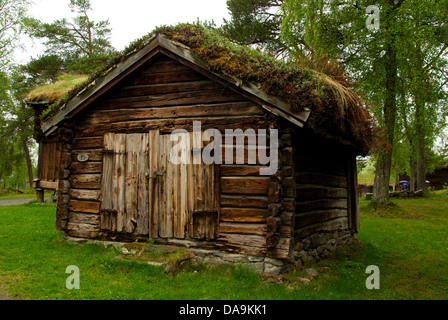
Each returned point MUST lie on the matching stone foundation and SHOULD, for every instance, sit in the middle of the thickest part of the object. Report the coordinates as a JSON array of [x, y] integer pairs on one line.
[[306, 252], [319, 246]]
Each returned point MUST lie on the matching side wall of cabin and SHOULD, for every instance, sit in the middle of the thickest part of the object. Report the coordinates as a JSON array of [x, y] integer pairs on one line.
[[326, 212]]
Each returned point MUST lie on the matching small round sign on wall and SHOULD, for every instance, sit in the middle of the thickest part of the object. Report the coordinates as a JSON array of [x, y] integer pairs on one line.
[[83, 157]]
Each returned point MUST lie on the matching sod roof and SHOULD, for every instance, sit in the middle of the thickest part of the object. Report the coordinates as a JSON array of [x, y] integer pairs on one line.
[[336, 109]]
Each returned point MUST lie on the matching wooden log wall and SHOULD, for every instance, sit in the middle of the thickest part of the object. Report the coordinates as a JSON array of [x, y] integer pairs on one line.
[[323, 183], [166, 95]]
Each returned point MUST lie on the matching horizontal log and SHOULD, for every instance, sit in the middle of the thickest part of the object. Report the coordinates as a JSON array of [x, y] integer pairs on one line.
[[86, 167], [82, 230], [331, 225], [84, 143], [304, 219], [168, 125], [306, 192], [240, 170], [84, 206], [243, 240], [243, 215], [247, 186], [86, 181], [193, 111], [167, 77], [320, 179], [162, 65], [53, 185], [80, 194], [152, 89], [173, 99], [321, 204], [243, 228], [83, 218], [242, 201]]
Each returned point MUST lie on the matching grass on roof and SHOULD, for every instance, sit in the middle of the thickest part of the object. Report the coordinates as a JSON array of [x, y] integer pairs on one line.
[[53, 92], [334, 105]]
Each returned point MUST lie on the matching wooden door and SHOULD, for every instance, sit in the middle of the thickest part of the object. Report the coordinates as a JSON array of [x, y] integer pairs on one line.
[[185, 194], [145, 193], [125, 183]]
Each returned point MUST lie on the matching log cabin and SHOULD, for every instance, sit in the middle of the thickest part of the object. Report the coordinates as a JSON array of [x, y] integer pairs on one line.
[[106, 150]]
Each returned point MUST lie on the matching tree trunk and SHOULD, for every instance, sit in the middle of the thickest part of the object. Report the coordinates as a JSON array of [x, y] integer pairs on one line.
[[421, 165], [412, 174], [384, 161], [29, 164], [381, 183]]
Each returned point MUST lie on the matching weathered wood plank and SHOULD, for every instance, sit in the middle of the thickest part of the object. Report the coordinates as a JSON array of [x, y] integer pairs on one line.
[[314, 192], [84, 206], [198, 110], [168, 125], [243, 215], [85, 181], [154, 200], [247, 186], [243, 228], [240, 170], [317, 216], [86, 167], [143, 186], [84, 143], [79, 194], [133, 146], [336, 224], [118, 181], [322, 204], [107, 183], [242, 201], [83, 218], [320, 179], [164, 88]]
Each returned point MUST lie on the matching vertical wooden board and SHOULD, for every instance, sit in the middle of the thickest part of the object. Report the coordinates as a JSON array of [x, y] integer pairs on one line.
[[183, 188], [198, 175], [133, 145], [190, 189], [143, 186], [107, 182], [120, 183], [175, 191], [162, 184], [154, 198], [169, 190]]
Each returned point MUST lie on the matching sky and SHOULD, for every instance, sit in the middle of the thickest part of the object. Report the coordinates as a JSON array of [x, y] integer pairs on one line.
[[129, 19]]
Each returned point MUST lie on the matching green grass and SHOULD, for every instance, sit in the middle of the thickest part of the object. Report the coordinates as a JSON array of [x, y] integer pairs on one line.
[[408, 244], [25, 194]]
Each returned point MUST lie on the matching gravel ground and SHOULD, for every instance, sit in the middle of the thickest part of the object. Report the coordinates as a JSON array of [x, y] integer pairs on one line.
[[15, 202]]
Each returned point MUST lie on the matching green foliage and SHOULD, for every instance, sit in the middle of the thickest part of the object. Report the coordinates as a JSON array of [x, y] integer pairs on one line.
[[255, 22], [12, 13]]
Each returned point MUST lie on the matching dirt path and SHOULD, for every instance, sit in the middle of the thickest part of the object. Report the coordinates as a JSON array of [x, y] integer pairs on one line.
[[15, 202]]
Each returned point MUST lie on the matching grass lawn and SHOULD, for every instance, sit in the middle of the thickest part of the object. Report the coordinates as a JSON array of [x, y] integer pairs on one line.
[[408, 243]]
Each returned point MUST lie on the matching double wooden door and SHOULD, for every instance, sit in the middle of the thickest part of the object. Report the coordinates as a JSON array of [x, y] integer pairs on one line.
[[146, 193]]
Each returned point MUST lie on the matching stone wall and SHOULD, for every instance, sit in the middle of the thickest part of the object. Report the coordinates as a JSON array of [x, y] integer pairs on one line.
[[319, 246]]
